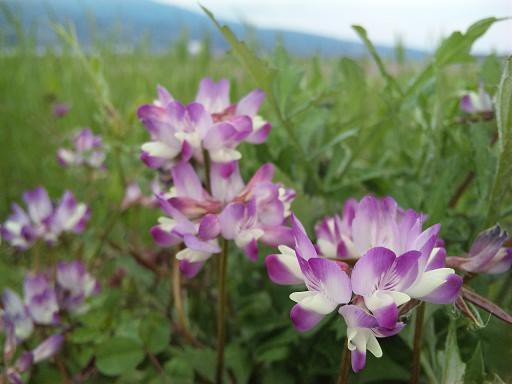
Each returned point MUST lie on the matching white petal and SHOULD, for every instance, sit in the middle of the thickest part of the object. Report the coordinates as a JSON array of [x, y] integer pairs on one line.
[[225, 155], [159, 149], [373, 345], [429, 281]]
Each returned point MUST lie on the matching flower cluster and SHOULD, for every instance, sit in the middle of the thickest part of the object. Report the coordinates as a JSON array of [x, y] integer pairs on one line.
[[395, 261], [88, 150], [43, 219], [211, 123], [208, 132], [42, 305]]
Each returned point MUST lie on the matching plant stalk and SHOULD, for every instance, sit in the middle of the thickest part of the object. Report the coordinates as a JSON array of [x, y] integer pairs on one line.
[[418, 330], [221, 316], [178, 303], [344, 365]]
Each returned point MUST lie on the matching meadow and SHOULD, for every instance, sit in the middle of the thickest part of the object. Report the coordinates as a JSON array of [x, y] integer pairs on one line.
[[341, 128]]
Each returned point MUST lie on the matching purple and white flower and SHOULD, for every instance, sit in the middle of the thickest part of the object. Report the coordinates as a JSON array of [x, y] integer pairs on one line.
[[21, 228], [477, 102], [43, 219], [88, 150], [328, 285], [16, 314], [68, 216], [488, 254], [41, 299], [216, 100], [74, 285], [362, 332]]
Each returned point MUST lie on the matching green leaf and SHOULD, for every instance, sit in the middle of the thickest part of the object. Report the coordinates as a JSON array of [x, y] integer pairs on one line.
[[238, 361], [179, 370], [117, 355], [155, 332], [392, 83], [456, 48], [482, 157], [453, 367], [475, 371], [256, 67], [503, 174]]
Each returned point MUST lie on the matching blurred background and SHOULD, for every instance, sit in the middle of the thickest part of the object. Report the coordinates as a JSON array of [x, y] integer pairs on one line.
[[304, 27]]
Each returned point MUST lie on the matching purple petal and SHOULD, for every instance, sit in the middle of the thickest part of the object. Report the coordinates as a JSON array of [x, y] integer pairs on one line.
[[250, 104], [214, 96], [47, 348], [407, 269], [356, 317], [189, 270], [251, 250], [447, 292], [334, 282], [186, 181], [209, 227], [358, 359], [226, 181], [279, 271], [196, 244], [370, 269], [466, 105], [220, 135], [230, 219], [277, 235], [303, 245], [302, 319], [38, 204], [259, 135], [164, 96]]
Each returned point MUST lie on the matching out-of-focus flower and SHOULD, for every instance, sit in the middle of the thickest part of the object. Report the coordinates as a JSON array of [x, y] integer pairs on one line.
[[88, 150], [74, 285], [22, 229], [477, 102], [43, 220], [16, 315], [133, 195], [327, 284], [487, 254], [362, 332], [60, 109], [41, 299], [68, 216], [47, 348]]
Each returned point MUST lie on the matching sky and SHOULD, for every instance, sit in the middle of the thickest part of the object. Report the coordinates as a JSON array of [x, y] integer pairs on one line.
[[419, 23]]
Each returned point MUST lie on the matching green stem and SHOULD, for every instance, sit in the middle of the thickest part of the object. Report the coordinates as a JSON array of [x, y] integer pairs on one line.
[[345, 365], [221, 321], [207, 165], [418, 330]]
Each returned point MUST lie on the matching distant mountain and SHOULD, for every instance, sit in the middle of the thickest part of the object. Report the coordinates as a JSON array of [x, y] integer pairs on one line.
[[131, 20]]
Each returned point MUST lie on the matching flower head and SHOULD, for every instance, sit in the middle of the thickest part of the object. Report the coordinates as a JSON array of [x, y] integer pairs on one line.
[[487, 254], [43, 219], [211, 123], [74, 285], [60, 109], [477, 102], [246, 214], [87, 150]]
